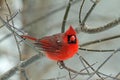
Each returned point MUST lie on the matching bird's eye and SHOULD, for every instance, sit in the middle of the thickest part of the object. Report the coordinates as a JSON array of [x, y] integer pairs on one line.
[[71, 39]]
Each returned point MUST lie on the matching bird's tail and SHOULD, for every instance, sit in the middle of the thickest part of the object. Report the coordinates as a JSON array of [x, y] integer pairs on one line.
[[29, 37]]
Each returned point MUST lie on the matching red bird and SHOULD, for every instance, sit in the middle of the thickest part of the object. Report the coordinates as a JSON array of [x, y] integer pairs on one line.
[[58, 47]]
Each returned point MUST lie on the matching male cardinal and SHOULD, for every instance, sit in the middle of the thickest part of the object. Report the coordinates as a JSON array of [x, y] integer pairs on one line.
[[58, 47]]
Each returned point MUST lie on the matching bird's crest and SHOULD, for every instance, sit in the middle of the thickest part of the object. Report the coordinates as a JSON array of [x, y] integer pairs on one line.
[[70, 31]]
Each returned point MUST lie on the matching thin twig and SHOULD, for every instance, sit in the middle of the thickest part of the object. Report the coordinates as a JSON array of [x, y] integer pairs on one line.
[[13, 31], [70, 75], [110, 25], [89, 12], [92, 68], [76, 74], [9, 28], [113, 78], [24, 74], [13, 16], [80, 12], [83, 64], [12, 71], [89, 66], [65, 16], [71, 70], [95, 50], [17, 43], [23, 64], [99, 40], [106, 60]]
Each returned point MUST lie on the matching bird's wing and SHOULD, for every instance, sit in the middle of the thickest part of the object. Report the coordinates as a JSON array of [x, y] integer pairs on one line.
[[50, 44]]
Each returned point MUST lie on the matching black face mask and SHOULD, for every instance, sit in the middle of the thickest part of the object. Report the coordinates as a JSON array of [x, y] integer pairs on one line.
[[71, 39]]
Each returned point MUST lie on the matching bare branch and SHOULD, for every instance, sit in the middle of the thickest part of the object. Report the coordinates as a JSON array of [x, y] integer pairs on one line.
[[63, 66], [24, 74], [17, 42], [9, 28], [65, 16], [13, 31], [100, 72], [89, 12], [95, 72], [109, 57], [13, 16], [95, 50], [99, 40], [110, 25], [80, 12], [83, 64], [23, 64]]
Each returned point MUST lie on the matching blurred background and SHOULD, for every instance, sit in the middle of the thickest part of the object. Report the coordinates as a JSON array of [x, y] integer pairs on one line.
[[44, 17]]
